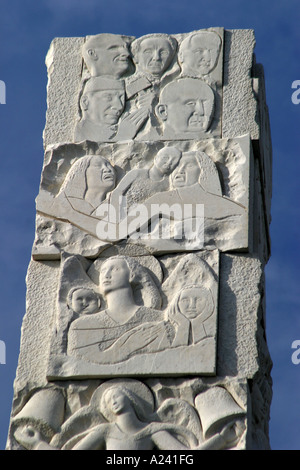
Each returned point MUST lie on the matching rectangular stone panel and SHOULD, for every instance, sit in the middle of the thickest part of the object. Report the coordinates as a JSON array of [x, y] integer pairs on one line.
[[166, 323], [156, 87], [160, 197]]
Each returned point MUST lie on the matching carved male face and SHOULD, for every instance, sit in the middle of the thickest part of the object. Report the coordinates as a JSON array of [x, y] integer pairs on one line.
[[186, 106], [154, 55], [167, 159], [103, 106], [198, 54], [114, 275], [191, 303], [100, 173], [106, 54], [85, 301], [187, 173]]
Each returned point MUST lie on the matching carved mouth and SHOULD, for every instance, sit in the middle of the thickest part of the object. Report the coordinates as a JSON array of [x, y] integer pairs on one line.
[[179, 178], [196, 122]]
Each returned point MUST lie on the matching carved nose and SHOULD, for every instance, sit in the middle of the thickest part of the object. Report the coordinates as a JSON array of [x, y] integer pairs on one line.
[[117, 104], [199, 108], [156, 57]]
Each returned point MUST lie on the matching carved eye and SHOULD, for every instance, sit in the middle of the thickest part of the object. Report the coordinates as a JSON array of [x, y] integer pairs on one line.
[[164, 53], [107, 97]]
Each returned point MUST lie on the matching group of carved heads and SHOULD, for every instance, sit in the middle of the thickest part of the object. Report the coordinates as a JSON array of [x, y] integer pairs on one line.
[[154, 77]]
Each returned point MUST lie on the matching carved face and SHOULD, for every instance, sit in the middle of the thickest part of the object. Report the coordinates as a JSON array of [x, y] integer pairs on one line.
[[103, 106], [114, 275], [85, 301], [166, 160], [187, 106], [109, 56], [199, 55], [100, 173], [154, 55], [187, 173], [117, 400], [192, 303]]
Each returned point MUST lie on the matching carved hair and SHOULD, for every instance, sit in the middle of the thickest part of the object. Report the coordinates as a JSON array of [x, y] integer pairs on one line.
[[136, 44], [144, 289], [132, 397], [75, 183]]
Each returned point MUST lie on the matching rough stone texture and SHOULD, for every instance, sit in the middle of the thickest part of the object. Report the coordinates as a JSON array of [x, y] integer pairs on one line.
[[64, 64], [42, 284], [239, 104]]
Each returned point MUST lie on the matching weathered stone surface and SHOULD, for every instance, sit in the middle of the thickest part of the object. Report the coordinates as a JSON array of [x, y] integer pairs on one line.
[[198, 423], [154, 331], [146, 291], [139, 181]]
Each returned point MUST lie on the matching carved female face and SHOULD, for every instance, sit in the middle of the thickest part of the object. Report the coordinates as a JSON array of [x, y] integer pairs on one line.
[[85, 301], [100, 173], [187, 172], [192, 303], [117, 400], [114, 275]]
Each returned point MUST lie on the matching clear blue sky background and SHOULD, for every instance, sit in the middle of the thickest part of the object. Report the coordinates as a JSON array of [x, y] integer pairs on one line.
[[26, 30]]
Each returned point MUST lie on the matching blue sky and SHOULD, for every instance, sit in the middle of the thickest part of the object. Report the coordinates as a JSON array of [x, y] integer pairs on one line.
[[27, 28]]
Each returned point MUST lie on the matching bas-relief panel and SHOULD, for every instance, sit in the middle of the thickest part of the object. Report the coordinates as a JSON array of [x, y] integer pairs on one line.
[[161, 197], [154, 87], [197, 414], [125, 316], [141, 302]]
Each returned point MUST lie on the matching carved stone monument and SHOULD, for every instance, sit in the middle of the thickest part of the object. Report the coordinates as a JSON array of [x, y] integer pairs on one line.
[[145, 292]]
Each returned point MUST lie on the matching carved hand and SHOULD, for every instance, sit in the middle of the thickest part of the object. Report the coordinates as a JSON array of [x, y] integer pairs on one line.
[[182, 325], [131, 123], [138, 338]]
